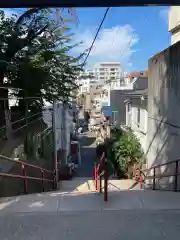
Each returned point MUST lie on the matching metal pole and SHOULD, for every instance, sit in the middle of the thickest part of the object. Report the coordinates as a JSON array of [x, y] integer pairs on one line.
[[54, 141], [176, 177], [105, 179], [26, 122], [154, 178]]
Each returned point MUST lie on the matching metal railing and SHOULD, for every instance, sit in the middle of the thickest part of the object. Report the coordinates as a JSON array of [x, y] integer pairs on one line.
[[175, 173], [100, 172], [25, 177]]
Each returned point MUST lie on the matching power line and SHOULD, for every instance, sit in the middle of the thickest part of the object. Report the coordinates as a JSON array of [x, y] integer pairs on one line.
[[128, 44], [99, 28]]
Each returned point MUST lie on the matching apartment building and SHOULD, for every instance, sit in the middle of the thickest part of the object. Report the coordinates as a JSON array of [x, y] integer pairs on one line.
[[108, 72], [174, 24], [86, 81]]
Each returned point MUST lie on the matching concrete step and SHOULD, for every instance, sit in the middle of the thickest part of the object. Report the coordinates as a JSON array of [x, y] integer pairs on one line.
[[122, 184], [77, 202], [87, 185], [77, 184]]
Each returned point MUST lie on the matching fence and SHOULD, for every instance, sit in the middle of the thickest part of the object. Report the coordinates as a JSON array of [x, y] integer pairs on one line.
[[24, 135], [45, 179], [171, 171]]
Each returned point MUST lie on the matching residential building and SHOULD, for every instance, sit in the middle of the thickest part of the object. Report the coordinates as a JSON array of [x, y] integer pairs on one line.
[[137, 115], [105, 76], [174, 23], [108, 72], [86, 81], [119, 96], [100, 97]]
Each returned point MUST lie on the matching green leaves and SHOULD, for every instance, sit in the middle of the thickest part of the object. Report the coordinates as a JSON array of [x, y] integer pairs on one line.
[[127, 149], [34, 55]]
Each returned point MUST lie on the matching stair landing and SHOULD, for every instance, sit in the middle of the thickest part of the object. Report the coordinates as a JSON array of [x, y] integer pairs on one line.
[[79, 195]]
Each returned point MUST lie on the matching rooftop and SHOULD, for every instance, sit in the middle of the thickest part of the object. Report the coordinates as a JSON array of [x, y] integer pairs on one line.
[[138, 74], [136, 93]]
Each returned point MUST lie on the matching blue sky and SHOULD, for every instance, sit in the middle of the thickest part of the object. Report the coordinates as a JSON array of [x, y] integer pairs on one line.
[[130, 35], [146, 26]]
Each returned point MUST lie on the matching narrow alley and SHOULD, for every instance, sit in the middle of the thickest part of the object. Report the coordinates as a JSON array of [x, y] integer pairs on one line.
[[88, 155]]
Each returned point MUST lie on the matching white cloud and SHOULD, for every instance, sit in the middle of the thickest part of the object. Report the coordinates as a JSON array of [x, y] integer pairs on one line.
[[164, 14], [10, 11], [113, 44]]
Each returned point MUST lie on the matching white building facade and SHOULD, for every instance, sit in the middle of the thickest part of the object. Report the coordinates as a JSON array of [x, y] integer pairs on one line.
[[174, 23], [86, 81], [108, 72], [137, 116]]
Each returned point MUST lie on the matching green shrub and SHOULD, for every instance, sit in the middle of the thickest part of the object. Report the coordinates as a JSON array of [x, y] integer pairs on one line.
[[127, 150]]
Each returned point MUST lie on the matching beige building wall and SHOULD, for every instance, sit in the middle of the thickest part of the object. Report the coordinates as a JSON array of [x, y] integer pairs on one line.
[[174, 24]]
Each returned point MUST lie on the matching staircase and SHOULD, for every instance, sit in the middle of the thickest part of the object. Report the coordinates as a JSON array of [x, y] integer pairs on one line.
[[77, 185], [83, 185], [76, 211]]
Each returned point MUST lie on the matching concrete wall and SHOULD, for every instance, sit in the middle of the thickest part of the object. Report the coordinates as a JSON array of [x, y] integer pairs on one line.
[[163, 135]]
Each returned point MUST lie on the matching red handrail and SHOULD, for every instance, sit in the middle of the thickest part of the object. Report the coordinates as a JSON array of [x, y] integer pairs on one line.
[[99, 173], [24, 163], [24, 176]]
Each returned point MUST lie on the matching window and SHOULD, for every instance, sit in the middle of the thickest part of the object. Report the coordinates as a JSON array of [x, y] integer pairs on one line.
[[112, 69], [114, 117], [84, 89], [129, 107], [138, 117]]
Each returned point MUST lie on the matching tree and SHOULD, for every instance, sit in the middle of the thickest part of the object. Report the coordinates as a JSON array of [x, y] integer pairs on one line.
[[35, 57]]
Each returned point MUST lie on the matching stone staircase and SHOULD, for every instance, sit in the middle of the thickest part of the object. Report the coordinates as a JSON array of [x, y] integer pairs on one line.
[[76, 211], [84, 185], [81, 185]]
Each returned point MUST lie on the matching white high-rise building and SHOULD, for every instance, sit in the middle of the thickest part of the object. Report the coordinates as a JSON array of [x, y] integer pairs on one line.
[[86, 80], [108, 72]]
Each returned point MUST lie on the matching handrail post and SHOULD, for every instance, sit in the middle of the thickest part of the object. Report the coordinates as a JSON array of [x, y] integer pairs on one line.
[[105, 180], [154, 178], [100, 182], [95, 176], [42, 176], [24, 179], [176, 177], [54, 180]]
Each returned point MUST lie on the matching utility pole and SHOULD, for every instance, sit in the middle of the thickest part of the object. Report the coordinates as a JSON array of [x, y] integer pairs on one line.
[[54, 141]]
